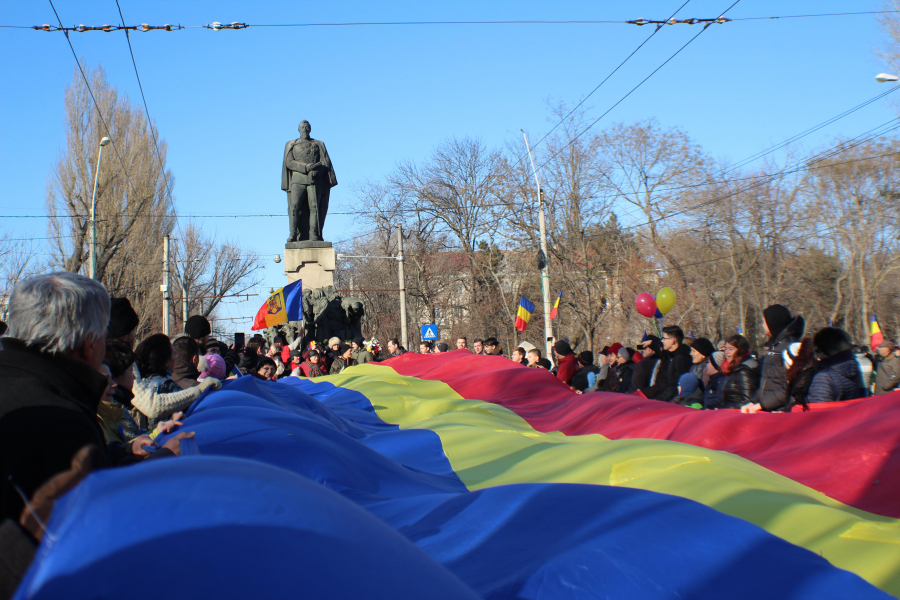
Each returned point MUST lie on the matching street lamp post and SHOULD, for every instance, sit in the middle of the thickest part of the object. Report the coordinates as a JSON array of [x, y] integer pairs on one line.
[[545, 268], [93, 267]]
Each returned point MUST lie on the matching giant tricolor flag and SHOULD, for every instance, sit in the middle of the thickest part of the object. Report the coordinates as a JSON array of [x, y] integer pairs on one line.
[[875, 335], [555, 311], [284, 304], [523, 315], [461, 476]]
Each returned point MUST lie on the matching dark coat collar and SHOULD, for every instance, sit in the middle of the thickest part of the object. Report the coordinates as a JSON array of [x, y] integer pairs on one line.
[[836, 359], [72, 379]]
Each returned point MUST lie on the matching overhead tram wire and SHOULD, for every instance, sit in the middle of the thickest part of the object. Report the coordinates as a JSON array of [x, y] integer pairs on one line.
[[162, 166], [96, 104], [642, 82], [235, 25], [786, 171], [605, 79]]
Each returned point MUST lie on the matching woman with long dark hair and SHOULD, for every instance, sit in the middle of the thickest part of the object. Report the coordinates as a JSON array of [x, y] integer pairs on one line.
[[741, 373]]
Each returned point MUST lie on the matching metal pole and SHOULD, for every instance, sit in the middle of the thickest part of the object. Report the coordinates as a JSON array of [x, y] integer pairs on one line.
[[184, 306], [165, 286], [93, 263], [545, 272], [400, 259]]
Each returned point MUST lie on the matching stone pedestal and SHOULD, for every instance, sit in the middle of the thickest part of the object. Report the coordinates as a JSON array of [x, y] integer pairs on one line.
[[313, 262]]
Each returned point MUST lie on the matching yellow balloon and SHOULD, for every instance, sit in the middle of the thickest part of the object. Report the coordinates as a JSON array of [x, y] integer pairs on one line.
[[665, 300]]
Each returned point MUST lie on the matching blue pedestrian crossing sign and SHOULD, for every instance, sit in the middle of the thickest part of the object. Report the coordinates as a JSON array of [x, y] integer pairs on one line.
[[429, 332]]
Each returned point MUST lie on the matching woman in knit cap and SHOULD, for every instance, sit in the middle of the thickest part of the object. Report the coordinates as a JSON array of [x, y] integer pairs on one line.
[[215, 367], [619, 377], [714, 377], [700, 351]]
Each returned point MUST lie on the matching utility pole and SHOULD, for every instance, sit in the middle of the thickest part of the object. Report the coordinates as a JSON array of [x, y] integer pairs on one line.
[[545, 270], [93, 263], [164, 288], [400, 259], [184, 306]]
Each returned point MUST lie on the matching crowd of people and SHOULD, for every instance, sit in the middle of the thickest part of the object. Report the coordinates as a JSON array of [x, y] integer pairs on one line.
[[79, 394], [791, 368]]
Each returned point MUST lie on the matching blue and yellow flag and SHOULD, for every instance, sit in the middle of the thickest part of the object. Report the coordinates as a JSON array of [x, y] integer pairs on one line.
[[284, 304], [524, 314]]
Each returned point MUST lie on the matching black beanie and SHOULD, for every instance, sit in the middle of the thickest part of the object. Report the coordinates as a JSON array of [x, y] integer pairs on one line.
[[831, 340], [586, 358], [197, 327], [122, 318], [703, 346], [358, 341], [562, 348], [777, 318]]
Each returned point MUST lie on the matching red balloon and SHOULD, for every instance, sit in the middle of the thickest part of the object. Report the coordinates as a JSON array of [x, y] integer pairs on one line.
[[645, 304]]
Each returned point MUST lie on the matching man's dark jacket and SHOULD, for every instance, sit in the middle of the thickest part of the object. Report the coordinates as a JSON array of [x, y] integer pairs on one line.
[[48, 411], [679, 362], [772, 394], [643, 372]]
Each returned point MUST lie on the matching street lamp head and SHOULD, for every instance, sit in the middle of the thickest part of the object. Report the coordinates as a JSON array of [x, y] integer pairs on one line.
[[885, 77], [104, 141], [277, 258]]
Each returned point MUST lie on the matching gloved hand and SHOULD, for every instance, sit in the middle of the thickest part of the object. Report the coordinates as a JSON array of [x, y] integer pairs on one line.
[[210, 382]]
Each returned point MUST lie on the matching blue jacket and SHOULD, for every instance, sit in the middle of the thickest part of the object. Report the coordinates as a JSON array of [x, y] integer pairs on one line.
[[838, 377]]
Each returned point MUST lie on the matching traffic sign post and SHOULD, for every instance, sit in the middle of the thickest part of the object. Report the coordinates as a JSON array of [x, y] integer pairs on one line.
[[429, 332]]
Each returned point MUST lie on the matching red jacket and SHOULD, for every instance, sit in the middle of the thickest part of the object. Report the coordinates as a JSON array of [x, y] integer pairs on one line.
[[568, 366]]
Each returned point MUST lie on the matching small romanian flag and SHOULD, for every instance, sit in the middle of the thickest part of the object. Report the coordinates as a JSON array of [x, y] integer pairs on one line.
[[284, 304], [556, 306], [524, 313], [875, 336]]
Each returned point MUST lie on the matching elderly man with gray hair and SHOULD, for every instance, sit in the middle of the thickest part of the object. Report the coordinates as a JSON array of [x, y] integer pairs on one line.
[[51, 389]]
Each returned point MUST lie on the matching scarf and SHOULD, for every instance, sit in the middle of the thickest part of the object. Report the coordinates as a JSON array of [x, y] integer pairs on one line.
[[314, 370]]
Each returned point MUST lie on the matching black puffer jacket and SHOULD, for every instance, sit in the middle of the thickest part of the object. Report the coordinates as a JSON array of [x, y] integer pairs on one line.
[[738, 387], [772, 393], [837, 377]]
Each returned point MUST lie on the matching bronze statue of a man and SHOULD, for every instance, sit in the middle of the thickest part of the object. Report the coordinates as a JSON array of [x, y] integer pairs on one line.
[[307, 176]]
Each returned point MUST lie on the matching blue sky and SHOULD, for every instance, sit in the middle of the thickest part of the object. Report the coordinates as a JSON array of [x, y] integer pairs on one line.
[[227, 101]]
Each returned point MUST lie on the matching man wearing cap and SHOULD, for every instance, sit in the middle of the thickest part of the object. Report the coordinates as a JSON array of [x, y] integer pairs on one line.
[[888, 375], [642, 375], [567, 363], [198, 329], [441, 347], [783, 330], [580, 381]]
